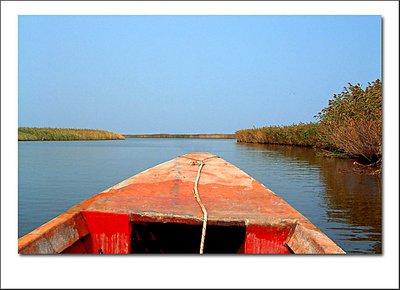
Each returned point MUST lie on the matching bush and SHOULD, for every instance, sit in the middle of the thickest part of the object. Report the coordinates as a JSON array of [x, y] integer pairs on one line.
[[352, 122], [350, 126]]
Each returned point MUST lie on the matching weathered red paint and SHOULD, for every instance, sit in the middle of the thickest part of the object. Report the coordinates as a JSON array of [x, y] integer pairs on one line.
[[267, 239], [110, 232], [165, 194]]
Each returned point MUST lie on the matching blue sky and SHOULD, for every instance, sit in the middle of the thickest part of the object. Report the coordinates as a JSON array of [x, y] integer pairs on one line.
[[188, 74]]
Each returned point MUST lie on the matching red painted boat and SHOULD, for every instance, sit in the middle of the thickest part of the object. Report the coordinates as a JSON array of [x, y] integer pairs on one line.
[[194, 203]]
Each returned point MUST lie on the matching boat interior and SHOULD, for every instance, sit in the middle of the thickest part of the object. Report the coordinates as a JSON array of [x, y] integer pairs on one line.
[[181, 238]]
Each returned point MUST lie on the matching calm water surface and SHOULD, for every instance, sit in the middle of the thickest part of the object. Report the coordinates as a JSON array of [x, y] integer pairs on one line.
[[345, 205]]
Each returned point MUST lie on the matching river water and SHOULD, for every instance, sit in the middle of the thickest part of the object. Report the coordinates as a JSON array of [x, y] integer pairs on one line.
[[344, 204]]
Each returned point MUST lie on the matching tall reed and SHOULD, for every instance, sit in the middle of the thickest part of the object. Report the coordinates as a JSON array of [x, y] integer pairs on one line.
[[301, 134], [65, 134], [352, 122]]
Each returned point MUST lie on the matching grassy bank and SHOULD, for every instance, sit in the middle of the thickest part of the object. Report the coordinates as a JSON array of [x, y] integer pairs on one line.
[[65, 134], [301, 135], [351, 125], [201, 136]]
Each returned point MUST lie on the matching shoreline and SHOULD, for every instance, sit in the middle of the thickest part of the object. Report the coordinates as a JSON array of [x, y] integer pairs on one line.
[[192, 136], [65, 134]]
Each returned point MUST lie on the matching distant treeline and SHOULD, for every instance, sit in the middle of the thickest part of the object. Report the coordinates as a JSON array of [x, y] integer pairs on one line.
[[351, 125], [201, 136], [65, 134]]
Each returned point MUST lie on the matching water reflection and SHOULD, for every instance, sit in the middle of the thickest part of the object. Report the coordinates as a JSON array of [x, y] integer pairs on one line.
[[351, 202]]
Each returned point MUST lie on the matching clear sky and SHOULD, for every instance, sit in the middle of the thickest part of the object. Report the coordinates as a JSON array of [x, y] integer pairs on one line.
[[188, 74]]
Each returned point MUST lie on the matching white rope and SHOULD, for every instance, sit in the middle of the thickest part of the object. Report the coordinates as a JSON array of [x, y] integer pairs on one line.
[[203, 208]]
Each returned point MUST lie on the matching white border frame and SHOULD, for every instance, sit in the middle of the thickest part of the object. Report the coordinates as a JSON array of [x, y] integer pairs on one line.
[[380, 271]]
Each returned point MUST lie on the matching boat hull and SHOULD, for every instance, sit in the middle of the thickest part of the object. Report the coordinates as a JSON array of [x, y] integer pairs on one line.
[[156, 212]]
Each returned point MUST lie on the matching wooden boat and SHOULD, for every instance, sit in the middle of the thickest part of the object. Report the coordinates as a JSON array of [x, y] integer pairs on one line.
[[194, 203]]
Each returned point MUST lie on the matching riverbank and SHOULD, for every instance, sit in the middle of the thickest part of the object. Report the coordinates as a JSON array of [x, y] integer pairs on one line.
[[65, 134], [351, 126], [299, 135], [200, 136]]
